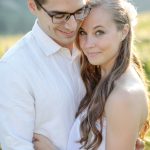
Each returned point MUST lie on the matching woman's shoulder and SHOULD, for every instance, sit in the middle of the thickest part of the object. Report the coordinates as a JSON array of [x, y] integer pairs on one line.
[[129, 87], [127, 94]]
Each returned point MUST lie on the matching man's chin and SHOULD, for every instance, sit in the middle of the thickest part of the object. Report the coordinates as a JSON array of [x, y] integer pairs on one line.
[[69, 40]]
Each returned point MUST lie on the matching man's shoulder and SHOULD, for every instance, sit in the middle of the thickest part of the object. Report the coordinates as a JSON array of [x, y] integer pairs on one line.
[[16, 56], [18, 49]]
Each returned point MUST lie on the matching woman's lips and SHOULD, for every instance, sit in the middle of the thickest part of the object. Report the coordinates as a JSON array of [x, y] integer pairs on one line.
[[92, 54]]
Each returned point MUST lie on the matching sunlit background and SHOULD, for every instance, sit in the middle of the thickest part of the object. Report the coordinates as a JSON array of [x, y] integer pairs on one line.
[[16, 20]]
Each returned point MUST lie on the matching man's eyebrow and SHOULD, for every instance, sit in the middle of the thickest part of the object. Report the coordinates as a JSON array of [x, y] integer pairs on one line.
[[63, 12]]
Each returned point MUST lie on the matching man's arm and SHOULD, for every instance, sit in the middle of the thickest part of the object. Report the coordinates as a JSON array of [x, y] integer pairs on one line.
[[16, 111]]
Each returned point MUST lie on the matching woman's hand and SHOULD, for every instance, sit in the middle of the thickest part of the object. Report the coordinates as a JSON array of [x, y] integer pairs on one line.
[[42, 143]]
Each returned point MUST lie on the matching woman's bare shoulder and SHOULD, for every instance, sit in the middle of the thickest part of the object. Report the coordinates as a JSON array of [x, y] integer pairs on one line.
[[128, 94], [129, 88]]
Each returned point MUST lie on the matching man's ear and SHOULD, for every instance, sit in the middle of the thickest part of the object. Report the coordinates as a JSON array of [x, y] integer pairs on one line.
[[32, 6], [125, 31]]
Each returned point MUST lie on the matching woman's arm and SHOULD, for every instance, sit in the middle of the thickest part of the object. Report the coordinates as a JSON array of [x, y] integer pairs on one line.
[[124, 112]]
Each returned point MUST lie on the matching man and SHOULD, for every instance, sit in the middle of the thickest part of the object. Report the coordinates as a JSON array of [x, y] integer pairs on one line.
[[41, 86]]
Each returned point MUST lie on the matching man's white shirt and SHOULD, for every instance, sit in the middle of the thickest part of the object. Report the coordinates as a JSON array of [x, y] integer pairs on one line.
[[40, 91]]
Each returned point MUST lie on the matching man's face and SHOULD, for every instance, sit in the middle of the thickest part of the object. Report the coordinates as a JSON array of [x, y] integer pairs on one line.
[[63, 33]]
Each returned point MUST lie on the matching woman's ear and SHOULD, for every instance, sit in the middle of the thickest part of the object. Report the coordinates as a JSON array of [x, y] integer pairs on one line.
[[125, 31], [32, 6]]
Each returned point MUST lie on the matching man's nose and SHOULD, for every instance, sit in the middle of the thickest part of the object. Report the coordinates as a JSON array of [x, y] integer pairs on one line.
[[71, 24]]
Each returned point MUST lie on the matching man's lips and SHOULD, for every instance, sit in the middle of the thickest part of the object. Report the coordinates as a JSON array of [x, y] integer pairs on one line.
[[71, 33]]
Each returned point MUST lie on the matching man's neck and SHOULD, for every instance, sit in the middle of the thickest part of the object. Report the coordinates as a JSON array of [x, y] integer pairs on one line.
[[70, 47]]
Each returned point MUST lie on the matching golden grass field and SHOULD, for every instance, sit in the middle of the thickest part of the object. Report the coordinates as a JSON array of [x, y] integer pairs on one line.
[[142, 46]]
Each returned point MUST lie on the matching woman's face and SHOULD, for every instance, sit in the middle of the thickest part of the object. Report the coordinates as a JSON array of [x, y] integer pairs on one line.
[[99, 37]]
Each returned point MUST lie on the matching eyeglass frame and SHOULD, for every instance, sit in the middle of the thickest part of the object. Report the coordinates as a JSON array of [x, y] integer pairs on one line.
[[53, 13]]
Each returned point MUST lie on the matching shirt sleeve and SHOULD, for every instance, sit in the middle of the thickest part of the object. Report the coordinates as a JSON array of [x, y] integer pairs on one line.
[[17, 111]]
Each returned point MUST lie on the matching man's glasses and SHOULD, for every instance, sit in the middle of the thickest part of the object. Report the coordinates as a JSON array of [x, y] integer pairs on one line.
[[63, 17]]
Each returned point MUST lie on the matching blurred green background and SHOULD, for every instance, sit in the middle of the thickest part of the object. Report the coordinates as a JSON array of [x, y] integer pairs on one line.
[[16, 20]]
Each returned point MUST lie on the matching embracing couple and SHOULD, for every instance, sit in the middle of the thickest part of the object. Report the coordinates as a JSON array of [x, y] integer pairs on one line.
[[73, 82]]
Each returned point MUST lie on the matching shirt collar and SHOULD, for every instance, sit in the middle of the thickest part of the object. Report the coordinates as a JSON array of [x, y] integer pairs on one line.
[[46, 44]]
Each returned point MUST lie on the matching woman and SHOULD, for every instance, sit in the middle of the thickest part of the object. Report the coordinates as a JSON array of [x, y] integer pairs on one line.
[[114, 111], [115, 108]]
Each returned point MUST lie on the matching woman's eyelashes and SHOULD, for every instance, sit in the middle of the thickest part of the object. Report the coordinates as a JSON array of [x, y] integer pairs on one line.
[[82, 32], [96, 33], [99, 32]]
